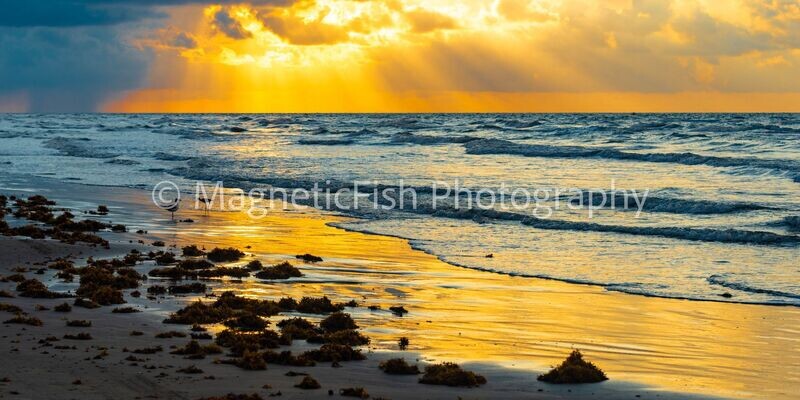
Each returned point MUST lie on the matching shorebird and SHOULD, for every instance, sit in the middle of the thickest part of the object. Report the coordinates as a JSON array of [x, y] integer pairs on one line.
[[173, 208], [206, 203]]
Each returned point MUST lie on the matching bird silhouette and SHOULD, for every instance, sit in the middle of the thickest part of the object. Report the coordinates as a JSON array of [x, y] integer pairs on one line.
[[206, 203], [173, 207]]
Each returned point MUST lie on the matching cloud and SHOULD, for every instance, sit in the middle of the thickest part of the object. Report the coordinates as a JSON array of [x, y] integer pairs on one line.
[[424, 21], [72, 70], [70, 13], [225, 23]]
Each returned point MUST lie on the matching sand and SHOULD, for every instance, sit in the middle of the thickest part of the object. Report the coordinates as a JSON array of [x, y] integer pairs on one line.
[[507, 329]]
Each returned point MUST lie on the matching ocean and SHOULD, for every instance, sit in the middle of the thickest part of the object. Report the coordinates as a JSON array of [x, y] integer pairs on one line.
[[720, 220]]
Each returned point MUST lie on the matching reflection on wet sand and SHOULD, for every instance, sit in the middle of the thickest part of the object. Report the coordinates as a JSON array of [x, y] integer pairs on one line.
[[465, 315]]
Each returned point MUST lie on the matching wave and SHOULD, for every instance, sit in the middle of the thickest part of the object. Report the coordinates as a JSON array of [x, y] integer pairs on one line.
[[170, 157], [430, 139], [76, 147], [326, 142], [122, 161], [627, 202], [693, 234], [792, 222], [720, 281], [500, 146]]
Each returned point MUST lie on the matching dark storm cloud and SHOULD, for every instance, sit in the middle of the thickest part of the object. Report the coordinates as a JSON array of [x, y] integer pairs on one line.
[[72, 55], [68, 13], [68, 70]]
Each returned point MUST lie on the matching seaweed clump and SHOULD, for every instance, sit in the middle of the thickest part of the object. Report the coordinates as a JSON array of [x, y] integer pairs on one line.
[[24, 320], [227, 306], [398, 366], [308, 383], [317, 305], [574, 370], [361, 393], [225, 255], [308, 258], [192, 251], [36, 289], [334, 352], [283, 270], [450, 374]]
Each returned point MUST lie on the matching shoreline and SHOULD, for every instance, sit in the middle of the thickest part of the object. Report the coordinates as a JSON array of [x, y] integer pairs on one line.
[[343, 283], [562, 280]]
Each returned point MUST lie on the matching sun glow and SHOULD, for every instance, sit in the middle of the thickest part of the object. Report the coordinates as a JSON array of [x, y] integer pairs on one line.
[[509, 55]]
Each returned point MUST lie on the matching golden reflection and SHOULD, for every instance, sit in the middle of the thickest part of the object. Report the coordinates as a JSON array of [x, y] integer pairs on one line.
[[463, 315]]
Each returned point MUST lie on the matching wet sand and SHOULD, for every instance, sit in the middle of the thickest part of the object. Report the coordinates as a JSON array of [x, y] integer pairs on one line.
[[508, 328]]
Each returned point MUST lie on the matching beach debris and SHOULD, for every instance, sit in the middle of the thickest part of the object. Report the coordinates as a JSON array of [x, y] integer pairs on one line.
[[246, 322], [195, 287], [125, 310], [374, 308], [338, 321], [231, 396], [198, 328], [227, 306], [192, 251], [194, 350], [233, 272], [156, 290], [361, 393], [35, 289], [254, 265], [165, 258], [317, 305], [136, 333], [190, 370], [63, 307], [308, 383], [298, 328], [147, 350], [334, 352], [158, 243], [347, 337], [403, 343], [398, 310], [450, 374], [201, 336], [310, 258], [229, 254], [6, 294], [726, 295], [79, 336], [240, 342], [102, 209], [79, 323], [398, 366], [284, 270], [170, 335], [14, 278], [195, 264], [85, 303], [10, 308], [574, 370], [286, 358], [24, 320], [251, 360], [119, 228], [490, 255]]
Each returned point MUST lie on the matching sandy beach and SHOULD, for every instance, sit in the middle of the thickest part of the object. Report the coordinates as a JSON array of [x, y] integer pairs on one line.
[[508, 329]]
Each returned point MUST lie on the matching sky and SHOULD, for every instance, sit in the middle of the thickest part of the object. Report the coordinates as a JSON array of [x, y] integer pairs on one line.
[[399, 55]]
